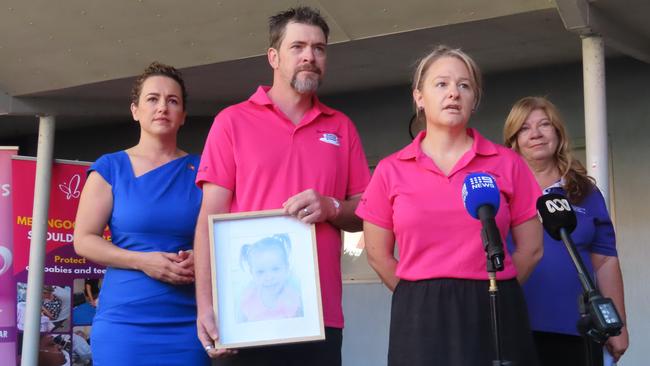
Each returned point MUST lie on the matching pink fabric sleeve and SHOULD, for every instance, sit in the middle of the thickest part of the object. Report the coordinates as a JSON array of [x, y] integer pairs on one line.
[[217, 160], [375, 205], [526, 191], [359, 173]]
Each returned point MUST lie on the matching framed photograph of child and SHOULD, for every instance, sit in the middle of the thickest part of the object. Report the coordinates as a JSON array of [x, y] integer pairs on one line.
[[265, 281]]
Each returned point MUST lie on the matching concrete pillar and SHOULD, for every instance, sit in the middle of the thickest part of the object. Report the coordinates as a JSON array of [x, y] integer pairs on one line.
[[593, 70], [31, 335]]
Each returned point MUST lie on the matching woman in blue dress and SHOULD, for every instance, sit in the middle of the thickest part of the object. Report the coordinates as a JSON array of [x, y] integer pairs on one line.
[[146, 194]]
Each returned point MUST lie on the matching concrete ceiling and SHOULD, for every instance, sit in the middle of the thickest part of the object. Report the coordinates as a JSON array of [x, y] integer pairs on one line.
[[77, 58]]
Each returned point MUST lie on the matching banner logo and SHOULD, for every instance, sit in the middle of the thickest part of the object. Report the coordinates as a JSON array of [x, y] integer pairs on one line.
[[558, 205], [71, 189]]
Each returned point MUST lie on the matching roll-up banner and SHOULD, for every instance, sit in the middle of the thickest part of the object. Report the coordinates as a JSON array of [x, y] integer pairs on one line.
[[7, 283], [71, 282]]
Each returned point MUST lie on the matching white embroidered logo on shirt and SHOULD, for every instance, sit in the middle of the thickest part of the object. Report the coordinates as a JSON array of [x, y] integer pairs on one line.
[[330, 138], [579, 209]]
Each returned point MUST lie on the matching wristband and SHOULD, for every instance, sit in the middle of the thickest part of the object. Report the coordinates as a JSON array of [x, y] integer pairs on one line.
[[337, 206]]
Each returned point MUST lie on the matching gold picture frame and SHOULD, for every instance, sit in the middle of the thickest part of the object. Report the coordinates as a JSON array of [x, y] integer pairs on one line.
[[265, 279]]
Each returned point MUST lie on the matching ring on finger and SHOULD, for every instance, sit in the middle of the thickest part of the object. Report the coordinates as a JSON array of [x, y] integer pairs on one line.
[[305, 211], [208, 347]]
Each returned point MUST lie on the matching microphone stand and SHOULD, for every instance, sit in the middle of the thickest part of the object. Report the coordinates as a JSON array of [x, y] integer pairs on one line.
[[494, 262], [599, 318]]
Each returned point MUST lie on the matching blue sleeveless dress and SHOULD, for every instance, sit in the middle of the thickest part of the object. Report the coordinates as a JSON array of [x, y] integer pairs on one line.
[[140, 320]]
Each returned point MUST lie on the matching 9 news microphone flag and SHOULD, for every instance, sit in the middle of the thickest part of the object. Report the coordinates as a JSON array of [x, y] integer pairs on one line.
[[481, 198]]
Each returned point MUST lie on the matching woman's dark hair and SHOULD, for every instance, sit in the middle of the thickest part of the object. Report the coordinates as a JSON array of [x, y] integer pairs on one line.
[[303, 15], [158, 69]]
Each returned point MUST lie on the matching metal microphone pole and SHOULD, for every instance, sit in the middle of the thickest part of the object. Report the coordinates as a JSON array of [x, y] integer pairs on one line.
[[494, 262], [599, 319]]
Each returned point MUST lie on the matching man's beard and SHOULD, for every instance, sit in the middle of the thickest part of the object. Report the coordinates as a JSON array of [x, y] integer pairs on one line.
[[307, 84]]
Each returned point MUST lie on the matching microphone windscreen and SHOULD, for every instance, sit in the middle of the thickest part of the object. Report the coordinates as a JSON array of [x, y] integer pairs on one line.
[[556, 212], [480, 189]]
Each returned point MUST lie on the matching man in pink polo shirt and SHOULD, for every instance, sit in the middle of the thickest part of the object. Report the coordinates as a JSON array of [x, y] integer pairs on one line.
[[282, 148]]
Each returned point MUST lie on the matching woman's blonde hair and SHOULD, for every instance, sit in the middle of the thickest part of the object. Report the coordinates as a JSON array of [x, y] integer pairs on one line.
[[437, 53], [577, 183]]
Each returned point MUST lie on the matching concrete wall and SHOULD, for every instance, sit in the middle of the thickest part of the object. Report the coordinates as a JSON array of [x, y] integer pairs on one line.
[[382, 118]]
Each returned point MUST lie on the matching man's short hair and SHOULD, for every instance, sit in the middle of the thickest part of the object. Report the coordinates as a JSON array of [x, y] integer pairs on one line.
[[303, 15]]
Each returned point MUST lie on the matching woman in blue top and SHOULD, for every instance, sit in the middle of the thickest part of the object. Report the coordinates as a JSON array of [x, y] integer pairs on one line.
[[535, 130], [146, 194]]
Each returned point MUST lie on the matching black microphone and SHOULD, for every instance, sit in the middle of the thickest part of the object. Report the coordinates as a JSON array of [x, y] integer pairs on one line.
[[600, 320], [555, 212], [559, 221]]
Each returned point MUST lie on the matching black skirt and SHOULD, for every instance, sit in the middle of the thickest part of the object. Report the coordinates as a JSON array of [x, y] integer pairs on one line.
[[556, 349], [447, 322]]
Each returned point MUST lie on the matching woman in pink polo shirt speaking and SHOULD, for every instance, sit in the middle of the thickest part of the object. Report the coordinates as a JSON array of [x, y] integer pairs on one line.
[[441, 309]]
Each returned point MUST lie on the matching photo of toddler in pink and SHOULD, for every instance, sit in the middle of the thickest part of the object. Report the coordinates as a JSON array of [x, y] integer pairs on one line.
[[273, 292]]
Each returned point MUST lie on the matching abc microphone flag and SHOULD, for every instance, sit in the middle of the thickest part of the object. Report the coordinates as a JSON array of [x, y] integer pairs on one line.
[[555, 212]]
